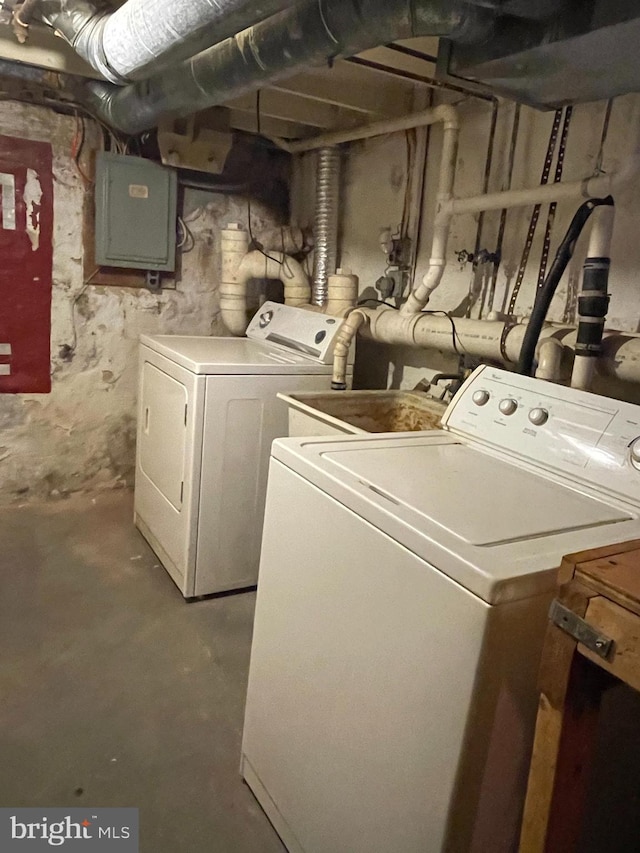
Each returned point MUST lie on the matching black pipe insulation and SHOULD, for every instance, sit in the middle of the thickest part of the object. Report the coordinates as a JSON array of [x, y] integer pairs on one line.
[[309, 33], [593, 304], [546, 292]]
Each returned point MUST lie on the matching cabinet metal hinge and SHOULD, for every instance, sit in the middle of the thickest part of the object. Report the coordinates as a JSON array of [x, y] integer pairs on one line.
[[580, 630]]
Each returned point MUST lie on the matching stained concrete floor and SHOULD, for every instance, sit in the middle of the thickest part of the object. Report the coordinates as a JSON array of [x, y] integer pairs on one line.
[[113, 690]]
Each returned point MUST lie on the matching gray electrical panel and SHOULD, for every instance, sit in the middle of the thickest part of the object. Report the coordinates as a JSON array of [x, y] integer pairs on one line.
[[136, 208]]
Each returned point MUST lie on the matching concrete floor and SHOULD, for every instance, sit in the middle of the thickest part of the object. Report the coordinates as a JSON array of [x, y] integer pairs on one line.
[[115, 692]]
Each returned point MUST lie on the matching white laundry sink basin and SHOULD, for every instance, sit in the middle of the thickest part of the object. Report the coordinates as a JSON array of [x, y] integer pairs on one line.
[[354, 412]]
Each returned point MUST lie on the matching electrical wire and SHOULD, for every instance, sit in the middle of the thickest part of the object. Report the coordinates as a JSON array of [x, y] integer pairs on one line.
[[76, 149], [256, 245], [603, 138], [187, 238], [503, 215], [375, 301], [454, 331], [404, 222]]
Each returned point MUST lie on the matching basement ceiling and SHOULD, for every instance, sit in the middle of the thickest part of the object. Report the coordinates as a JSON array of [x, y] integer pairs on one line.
[[377, 84]]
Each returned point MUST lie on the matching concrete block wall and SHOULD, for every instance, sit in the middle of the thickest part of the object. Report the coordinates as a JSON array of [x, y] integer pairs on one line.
[[82, 435]]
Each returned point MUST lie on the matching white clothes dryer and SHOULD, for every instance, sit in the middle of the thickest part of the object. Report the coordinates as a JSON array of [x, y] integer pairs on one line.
[[207, 415]]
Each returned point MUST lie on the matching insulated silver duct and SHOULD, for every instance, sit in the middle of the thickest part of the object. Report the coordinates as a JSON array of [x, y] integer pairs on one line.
[[143, 35], [325, 228], [312, 32]]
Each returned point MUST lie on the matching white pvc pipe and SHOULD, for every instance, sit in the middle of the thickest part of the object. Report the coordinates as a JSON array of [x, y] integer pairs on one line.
[[233, 289], [584, 369], [448, 116], [419, 297], [234, 244], [344, 339], [550, 352], [444, 114], [596, 187], [479, 339], [448, 206], [343, 293], [601, 234], [602, 218]]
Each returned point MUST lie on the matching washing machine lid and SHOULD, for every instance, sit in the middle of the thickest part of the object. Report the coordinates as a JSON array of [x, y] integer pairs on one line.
[[491, 525], [207, 355]]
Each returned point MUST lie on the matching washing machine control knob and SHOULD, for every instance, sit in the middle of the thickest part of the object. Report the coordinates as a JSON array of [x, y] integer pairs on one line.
[[634, 449], [265, 318], [481, 398], [538, 416], [508, 406]]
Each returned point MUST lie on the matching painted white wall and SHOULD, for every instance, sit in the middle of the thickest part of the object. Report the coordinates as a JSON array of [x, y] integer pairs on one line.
[[375, 175], [82, 435]]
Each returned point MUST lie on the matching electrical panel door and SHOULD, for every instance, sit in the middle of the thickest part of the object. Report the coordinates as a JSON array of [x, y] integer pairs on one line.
[[136, 208]]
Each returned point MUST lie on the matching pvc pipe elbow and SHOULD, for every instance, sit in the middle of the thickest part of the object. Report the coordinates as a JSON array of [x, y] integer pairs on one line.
[[344, 340], [550, 352], [234, 317], [448, 115]]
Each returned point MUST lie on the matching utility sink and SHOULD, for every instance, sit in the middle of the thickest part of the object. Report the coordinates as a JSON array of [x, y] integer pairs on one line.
[[354, 412]]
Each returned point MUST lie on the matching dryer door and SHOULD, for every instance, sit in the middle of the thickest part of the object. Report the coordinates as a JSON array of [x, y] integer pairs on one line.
[[168, 463], [163, 432]]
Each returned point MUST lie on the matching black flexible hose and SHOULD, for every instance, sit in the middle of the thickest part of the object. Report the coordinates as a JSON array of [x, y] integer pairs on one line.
[[546, 292]]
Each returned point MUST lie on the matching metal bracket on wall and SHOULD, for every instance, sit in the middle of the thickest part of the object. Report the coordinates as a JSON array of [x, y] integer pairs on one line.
[[153, 280], [580, 630]]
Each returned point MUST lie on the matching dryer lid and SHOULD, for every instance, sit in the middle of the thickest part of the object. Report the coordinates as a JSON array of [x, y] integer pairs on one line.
[[204, 355]]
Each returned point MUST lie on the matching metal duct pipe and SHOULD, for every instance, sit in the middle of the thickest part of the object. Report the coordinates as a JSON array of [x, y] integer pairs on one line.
[[312, 32], [325, 228], [143, 35]]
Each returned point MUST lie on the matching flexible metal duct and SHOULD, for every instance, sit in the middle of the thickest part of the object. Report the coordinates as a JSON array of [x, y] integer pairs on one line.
[[326, 222], [310, 33], [144, 34]]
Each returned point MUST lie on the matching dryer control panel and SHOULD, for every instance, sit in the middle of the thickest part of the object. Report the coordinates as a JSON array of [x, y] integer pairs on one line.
[[308, 332], [591, 438]]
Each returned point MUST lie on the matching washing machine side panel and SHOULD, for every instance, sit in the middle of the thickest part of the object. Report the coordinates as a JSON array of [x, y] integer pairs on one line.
[[362, 675], [242, 418], [168, 455]]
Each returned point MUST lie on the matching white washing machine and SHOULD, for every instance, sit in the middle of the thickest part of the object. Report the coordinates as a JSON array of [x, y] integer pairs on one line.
[[404, 587], [207, 414]]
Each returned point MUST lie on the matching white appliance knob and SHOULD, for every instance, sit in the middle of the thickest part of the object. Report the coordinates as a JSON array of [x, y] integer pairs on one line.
[[508, 406], [635, 452], [481, 398], [538, 416]]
